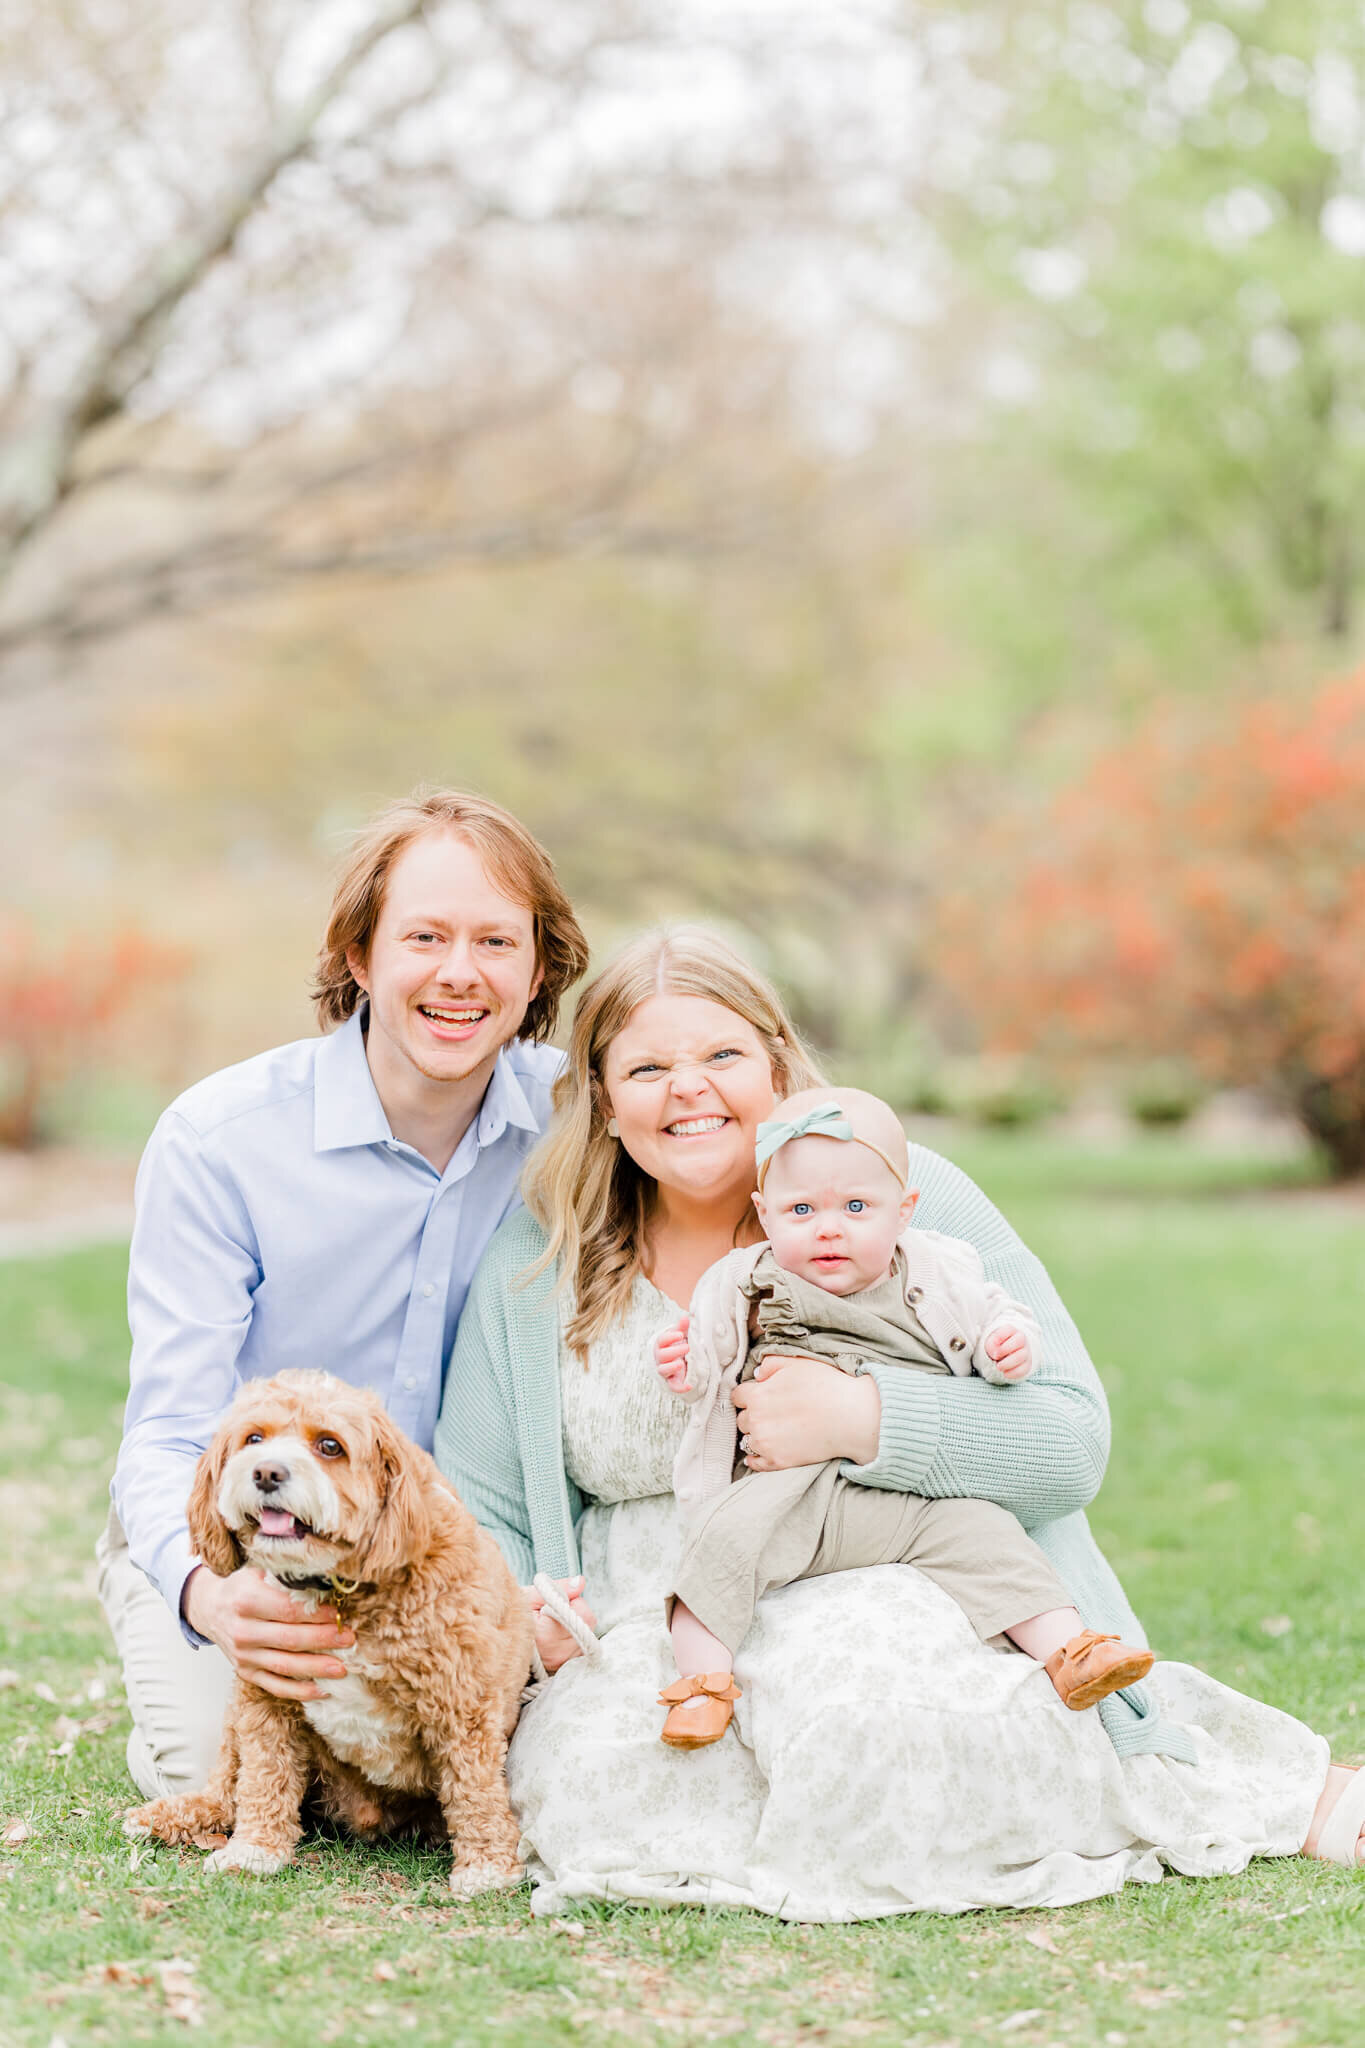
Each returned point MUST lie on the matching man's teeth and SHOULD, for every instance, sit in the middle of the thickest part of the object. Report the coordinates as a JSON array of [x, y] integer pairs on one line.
[[452, 1016], [694, 1127]]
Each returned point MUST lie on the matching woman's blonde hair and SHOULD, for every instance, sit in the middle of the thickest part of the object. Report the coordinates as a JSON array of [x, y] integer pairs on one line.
[[517, 863], [581, 1184]]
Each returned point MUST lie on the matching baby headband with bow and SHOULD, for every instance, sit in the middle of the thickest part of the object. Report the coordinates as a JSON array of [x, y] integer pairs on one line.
[[826, 1120]]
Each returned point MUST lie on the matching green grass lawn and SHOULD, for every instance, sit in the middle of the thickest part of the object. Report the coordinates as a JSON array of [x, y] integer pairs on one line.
[[1224, 1315]]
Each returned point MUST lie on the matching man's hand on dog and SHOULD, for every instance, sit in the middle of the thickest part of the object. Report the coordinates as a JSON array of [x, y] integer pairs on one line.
[[267, 1635], [553, 1640]]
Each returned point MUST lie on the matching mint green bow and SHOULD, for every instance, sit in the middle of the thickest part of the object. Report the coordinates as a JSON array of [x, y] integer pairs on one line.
[[826, 1120]]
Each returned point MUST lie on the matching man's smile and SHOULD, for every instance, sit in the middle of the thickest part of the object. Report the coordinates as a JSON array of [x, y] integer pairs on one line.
[[453, 1021]]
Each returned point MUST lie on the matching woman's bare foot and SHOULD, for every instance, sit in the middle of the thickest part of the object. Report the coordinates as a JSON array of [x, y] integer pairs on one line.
[[1339, 1777]]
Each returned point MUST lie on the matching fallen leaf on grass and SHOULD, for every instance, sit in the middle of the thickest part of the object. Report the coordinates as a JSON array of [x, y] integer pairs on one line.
[[175, 1979], [384, 1973], [17, 1833], [45, 1692], [1021, 2018], [1276, 1625], [121, 1973], [8, 1679], [1040, 1938], [180, 1991], [150, 1908], [574, 1929]]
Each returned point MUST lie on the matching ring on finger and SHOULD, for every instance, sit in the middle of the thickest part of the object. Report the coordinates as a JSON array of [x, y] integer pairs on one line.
[[744, 1444]]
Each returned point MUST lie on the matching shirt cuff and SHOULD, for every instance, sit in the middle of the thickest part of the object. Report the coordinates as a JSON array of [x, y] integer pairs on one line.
[[908, 1442], [174, 1562]]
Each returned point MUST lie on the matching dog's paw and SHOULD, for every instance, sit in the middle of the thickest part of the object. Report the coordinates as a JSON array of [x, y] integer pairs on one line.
[[135, 1827], [470, 1880], [244, 1856]]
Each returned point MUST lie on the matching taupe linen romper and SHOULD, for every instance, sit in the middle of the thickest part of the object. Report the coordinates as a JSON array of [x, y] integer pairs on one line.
[[772, 1528]]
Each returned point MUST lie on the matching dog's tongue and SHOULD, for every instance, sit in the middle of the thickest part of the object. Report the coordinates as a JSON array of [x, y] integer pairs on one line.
[[275, 1522]]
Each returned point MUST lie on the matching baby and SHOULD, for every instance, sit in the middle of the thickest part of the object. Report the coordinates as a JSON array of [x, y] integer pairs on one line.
[[843, 1280]]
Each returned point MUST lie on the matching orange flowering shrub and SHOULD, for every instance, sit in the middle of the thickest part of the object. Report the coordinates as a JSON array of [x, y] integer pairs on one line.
[[59, 1006], [1199, 894]]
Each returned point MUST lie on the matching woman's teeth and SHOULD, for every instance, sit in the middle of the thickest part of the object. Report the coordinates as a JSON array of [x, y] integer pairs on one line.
[[697, 1126]]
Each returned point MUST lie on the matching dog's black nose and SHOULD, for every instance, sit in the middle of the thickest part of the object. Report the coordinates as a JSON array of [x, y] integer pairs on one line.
[[270, 1475]]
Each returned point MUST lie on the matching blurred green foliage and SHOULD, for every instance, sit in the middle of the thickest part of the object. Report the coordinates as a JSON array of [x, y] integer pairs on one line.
[[1166, 216]]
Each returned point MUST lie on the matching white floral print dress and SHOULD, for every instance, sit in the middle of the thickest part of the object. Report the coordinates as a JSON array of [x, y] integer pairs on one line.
[[882, 1760]]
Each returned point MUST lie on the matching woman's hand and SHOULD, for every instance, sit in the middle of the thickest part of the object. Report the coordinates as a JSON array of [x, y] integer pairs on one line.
[[555, 1644], [796, 1411]]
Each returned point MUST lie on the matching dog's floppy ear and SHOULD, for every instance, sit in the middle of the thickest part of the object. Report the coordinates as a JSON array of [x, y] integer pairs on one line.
[[403, 1532], [209, 1533]]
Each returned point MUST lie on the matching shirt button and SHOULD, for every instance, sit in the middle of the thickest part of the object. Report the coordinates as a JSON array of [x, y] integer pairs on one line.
[[428, 1291], [410, 1382], [957, 1343]]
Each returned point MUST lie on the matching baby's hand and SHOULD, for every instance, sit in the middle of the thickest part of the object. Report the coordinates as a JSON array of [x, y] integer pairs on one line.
[[1008, 1349], [670, 1355]]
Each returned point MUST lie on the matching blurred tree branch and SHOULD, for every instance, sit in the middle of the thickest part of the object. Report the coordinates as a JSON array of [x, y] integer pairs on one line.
[[334, 271], [38, 462]]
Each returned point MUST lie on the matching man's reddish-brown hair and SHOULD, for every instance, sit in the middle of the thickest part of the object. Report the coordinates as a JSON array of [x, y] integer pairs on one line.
[[516, 861]]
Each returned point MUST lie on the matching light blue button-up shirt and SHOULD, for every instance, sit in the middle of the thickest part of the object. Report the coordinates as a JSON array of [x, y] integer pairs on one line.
[[279, 1223]]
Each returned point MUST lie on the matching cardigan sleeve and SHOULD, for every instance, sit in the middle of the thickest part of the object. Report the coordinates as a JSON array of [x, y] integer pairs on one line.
[[1038, 1448], [476, 1444]]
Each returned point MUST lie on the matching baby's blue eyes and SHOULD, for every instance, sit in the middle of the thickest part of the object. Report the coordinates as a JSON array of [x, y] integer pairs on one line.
[[857, 1207], [801, 1209]]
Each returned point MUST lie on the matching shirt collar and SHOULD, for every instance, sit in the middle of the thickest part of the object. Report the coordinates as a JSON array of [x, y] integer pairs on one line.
[[347, 1109], [346, 1105], [505, 1103]]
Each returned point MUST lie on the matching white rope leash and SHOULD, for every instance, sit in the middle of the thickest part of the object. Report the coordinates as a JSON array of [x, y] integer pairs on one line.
[[557, 1605]]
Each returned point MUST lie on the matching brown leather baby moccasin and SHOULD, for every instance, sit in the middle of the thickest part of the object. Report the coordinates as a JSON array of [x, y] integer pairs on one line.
[[1091, 1666], [694, 1727]]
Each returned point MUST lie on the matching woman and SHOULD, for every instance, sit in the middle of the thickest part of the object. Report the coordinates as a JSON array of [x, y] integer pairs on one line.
[[888, 1761]]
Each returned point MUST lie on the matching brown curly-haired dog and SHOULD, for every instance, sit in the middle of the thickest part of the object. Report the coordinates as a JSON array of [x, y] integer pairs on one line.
[[310, 1481]]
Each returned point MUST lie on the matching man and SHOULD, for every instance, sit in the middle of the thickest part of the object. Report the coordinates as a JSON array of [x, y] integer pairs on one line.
[[326, 1204]]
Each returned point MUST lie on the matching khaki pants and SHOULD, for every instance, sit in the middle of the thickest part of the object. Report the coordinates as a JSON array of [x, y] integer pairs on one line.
[[772, 1528], [177, 1695]]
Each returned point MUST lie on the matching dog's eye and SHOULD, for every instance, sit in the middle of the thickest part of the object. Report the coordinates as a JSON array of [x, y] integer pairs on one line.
[[256, 1437], [328, 1447]]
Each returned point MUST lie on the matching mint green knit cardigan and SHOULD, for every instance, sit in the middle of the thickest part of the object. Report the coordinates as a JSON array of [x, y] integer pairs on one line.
[[1038, 1449]]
